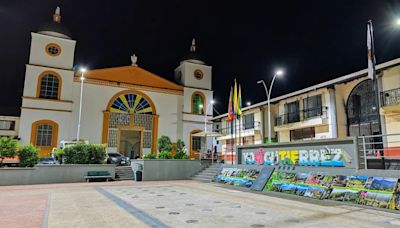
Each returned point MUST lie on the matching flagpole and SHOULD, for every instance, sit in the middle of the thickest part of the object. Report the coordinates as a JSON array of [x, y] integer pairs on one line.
[[374, 78]]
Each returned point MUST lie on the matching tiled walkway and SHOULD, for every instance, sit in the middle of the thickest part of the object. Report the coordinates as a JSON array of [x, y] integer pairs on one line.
[[171, 204]]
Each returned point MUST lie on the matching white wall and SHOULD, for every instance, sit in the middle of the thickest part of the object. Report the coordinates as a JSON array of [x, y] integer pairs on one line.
[[188, 78], [29, 116], [31, 81], [40, 57]]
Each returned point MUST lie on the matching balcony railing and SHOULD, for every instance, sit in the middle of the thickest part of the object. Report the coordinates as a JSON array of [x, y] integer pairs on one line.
[[390, 97], [244, 127], [302, 115]]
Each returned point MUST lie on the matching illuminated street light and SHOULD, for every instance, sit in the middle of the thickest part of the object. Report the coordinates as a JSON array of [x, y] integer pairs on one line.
[[268, 93]]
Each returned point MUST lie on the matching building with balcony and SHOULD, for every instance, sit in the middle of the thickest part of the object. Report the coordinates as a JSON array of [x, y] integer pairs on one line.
[[339, 108], [245, 131]]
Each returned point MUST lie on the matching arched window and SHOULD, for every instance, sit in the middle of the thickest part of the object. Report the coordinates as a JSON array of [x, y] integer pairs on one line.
[[44, 135], [49, 86], [362, 116], [198, 102]]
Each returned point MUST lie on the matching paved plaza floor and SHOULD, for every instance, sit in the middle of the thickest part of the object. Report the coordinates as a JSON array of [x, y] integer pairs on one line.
[[172, 204]]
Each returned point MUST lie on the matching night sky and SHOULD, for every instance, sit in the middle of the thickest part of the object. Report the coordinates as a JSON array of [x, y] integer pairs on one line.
[[313, 41]]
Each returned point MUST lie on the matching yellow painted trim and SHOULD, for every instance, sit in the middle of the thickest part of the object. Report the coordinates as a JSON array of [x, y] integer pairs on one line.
[[55, 45], [108, 107], [204, 101], [43, 99], [200, 76], [44, 151], [130, 86], [104, 134], [155, 134], [46, 109], [193, 153], [58, 68], [39, 83]]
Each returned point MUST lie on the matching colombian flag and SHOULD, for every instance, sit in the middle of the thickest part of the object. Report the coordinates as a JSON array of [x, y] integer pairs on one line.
[[230, 111], [239, 110]]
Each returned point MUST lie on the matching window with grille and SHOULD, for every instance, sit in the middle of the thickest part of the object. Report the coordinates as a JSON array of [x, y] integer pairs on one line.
[[196, 143], [44, 135], [7, 125], [248, 121], [53, 49], [49, 85], [312, 106], [198, 104], [292, 112], [304, 133]]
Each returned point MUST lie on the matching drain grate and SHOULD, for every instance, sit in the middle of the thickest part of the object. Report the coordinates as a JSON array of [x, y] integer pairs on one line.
[[257, 225], [192, 221]]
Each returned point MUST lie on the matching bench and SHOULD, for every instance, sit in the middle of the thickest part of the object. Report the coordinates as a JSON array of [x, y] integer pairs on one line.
[[97, 175]]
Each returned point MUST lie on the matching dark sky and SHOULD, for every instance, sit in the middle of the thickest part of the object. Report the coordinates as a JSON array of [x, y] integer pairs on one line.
[[313, 40]]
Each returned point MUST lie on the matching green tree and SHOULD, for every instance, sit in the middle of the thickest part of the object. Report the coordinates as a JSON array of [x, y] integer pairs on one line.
[[8, 148], [164, 144], [28, 156]]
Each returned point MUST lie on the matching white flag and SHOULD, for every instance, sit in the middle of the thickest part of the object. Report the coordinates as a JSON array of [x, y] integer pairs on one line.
[[371, 54]]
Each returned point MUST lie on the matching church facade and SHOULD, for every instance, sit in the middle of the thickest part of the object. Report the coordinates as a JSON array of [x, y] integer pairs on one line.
[[128, 108]]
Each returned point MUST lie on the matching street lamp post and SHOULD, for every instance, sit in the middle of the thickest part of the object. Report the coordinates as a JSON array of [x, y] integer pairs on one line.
[[205, 128], [82, 78], [268, 93]]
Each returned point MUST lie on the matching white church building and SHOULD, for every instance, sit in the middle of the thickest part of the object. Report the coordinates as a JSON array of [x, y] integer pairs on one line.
[[124, 107]]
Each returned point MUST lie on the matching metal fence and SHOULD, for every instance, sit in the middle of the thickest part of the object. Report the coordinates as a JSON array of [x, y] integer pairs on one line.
[[301, 115], [244, 127], [379, 148]]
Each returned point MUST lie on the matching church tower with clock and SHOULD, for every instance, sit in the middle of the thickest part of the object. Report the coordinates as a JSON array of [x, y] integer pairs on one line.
[[197, 102]]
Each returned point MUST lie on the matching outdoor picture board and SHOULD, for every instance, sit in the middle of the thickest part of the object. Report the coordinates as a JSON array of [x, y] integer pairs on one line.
[[262, 179]]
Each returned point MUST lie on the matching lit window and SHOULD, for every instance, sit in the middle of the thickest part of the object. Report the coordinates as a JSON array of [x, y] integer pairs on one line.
[[49, 85], [198, 104], [44, 135]]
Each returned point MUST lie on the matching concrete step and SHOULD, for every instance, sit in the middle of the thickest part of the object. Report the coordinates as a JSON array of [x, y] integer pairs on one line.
[[209, 172], [212, 169], [201, 179], [203, 176]]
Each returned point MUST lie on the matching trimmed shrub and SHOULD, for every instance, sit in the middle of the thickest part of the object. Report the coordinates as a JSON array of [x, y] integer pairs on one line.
[[8, 147], [149, 156], [164, 155], [84, 154], [28, 156], [181, 155], [164, 144]]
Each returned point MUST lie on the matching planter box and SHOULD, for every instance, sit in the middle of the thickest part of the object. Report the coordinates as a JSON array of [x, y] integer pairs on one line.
[[43, 174], [168, 169]]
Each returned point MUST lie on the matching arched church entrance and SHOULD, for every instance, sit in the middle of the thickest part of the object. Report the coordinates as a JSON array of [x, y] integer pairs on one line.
[[362, 116], [130, 124]]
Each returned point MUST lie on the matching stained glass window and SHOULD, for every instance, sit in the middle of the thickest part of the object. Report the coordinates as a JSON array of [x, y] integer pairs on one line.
[[198, 104], [49, 87], [130, 104]]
